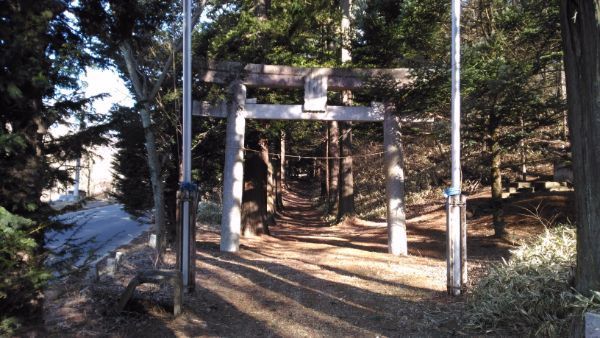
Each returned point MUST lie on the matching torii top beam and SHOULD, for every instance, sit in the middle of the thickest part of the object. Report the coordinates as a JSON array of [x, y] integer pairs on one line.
[[274, 76]]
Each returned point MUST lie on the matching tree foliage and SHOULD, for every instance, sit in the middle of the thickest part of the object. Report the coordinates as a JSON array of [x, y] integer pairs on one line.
[[42, 56], [22, 275], [131, 180]]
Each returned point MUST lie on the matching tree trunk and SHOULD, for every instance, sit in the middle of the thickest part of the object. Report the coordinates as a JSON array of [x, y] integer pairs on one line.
[[523, 151], [282, 160], [496, 175], [580, 32], [155, 170], [281, 171], [346, 189], [334, 165], [254, 201], [261, 8], [264, 155], [145, 92], [325, 169], [154, 166], [278, 196]]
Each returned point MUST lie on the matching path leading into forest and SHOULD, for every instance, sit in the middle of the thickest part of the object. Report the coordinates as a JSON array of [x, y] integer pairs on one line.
[[307, 279], [311, 279]]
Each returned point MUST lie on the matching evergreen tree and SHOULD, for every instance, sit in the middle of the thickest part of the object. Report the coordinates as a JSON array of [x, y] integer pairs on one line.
[[131, 177], [141, 39], [509, 47], [42, 55]]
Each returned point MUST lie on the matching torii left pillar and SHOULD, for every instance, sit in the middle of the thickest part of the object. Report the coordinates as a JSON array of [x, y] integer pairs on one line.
[[233, 172]]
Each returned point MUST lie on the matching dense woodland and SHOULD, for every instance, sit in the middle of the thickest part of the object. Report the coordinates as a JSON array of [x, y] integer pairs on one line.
[[518, 72]]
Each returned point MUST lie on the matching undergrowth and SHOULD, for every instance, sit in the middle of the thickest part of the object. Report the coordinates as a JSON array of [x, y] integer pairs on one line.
[[531, 293], [209, 212], [22, 275]]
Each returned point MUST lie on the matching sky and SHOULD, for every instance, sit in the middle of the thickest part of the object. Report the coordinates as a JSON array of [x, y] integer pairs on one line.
[[106, 81], [97, 81]]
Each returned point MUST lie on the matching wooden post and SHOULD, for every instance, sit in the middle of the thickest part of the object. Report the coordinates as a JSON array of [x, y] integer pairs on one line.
[[282, 173], [394, 174], [463, 241], [456, 244], [233, 171]]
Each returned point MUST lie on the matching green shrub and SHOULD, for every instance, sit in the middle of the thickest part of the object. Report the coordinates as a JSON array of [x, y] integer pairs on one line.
[[531, 293], [21, 274], [209, 212]]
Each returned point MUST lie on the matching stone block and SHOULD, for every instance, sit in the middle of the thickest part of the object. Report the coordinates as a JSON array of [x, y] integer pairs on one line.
[[560, 189], [545, 185], [563, 172], [158, 277], [526, 190], [592, 325], [521, 185], [152, 241]]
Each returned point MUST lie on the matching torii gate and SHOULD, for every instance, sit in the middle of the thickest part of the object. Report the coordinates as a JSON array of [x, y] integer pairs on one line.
[[316, 83]]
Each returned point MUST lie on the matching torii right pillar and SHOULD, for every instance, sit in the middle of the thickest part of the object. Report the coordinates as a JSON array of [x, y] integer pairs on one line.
[[233, 171], [394, 182]]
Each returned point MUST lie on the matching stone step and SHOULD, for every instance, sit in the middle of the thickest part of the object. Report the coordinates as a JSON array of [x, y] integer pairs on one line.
[[592, 325], [526, 190], [561, 189], [521, 185], [545, 185]]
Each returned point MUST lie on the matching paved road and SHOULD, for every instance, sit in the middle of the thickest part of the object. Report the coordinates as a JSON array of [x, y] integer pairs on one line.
[[101, 229]]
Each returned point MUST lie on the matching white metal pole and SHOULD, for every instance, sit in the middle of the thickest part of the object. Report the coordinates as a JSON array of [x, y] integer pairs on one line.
[[455, 202], [187, 135], [455, 114]]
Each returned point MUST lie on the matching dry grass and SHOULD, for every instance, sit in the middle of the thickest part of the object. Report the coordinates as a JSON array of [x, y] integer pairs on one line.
[[531, 293]]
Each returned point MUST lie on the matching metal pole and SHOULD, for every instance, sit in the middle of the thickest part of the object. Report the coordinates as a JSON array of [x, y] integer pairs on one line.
[[455, 115], [455, 206], [187, 134]]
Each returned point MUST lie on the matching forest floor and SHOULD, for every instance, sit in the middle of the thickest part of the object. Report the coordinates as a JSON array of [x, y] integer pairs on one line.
[[307, 279]]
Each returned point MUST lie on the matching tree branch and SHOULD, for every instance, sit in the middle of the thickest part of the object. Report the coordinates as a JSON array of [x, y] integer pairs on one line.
[[133, 68], [178, 45]]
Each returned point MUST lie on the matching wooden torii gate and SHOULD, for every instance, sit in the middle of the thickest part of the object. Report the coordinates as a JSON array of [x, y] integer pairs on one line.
[[316, 82]]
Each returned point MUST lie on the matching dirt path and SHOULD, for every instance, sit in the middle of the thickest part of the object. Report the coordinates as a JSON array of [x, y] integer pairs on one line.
[[306, 280]]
